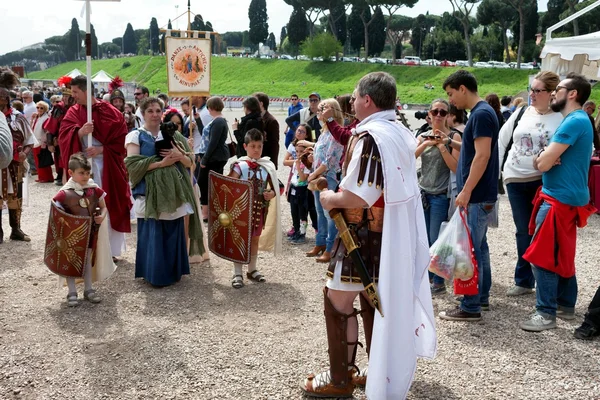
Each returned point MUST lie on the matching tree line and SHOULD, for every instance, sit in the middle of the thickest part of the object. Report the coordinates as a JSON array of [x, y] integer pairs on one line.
[[354, 27]]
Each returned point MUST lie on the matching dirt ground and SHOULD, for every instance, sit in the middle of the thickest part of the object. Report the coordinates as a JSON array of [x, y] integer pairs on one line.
[[202, 339]]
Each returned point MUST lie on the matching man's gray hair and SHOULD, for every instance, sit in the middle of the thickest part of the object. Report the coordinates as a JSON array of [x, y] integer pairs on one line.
[[381, 88], [27, 93]]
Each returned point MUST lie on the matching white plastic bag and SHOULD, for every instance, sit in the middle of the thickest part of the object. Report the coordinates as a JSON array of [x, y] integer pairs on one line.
[[450, 255]]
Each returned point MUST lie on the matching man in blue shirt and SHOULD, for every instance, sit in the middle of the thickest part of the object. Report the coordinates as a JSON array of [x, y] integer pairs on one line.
[[292, 109], [477, 180], [565, 164]]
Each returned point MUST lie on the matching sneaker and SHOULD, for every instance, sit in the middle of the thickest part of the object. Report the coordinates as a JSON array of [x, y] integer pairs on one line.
[[299, 239], [586, 331], [459, 315], [438, 289], [518, 291], [538, 322], [485, 306], [292, 237], [291, 232], [566, 314]]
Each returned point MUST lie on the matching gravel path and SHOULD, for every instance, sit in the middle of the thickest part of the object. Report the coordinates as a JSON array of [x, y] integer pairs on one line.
[[202, 339]]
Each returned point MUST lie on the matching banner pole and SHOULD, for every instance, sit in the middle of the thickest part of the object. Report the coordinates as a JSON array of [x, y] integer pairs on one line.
[[88, 60]]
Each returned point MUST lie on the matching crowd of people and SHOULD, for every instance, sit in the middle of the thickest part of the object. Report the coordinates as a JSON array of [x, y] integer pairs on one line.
[[349, 155]]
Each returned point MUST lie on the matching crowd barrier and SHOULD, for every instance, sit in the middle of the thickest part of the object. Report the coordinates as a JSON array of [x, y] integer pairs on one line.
[[275, 103]]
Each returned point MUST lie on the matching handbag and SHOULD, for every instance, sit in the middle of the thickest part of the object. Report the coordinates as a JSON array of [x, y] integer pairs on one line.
[[232, 146], [45, 158]]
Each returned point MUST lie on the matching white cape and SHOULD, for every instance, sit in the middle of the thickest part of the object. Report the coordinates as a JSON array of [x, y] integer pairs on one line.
[[271, 237], [407, 330]]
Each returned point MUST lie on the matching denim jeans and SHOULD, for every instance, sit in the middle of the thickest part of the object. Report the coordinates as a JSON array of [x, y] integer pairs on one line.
[[327, 230], [521, 197], [552, 289], [477, 220], [435, 214]]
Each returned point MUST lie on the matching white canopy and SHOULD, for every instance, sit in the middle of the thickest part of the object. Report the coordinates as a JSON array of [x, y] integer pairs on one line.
[[75, 73], [571, 54], [101, 77]]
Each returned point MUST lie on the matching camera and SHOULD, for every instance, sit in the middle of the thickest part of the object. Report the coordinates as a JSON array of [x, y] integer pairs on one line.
[[421, 114]]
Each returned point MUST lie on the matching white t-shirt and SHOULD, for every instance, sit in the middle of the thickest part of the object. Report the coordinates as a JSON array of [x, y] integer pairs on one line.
[[296, 175], [533, 133], [29, 109]]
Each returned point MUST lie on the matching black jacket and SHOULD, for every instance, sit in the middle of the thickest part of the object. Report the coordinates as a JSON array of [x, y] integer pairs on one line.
[[250, 121], [217, 150]]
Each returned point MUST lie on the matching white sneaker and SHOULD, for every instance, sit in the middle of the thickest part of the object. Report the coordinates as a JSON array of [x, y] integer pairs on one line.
[[537, 323], [518, 291]]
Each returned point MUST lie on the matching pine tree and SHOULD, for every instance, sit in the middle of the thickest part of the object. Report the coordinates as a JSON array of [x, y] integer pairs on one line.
[[259, 28], [94, 42], [198, 23], [356, 32], [271, 42], [129, 43], [376, 33], [297, 28], [154, 36], [74, 43], [282, 35]]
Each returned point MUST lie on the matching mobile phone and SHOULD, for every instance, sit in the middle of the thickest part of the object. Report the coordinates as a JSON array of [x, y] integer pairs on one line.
[[194, 109]]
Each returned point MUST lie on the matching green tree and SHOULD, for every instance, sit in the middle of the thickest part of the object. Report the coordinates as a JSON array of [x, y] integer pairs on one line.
[[110, 49], [392, 7], [154, 36], [311, 9], [129, 43], [421, 27], [501, 14], [297, 29], [356, 32], [282, 35], [321, 45], [142, 41], [259, 28], [398, 28], [94, 43], [119, 42], [376, 33], [233, 39], [74, 43], [271, 42], [527, 11], [245, 39], [198, 23], [462, 10]]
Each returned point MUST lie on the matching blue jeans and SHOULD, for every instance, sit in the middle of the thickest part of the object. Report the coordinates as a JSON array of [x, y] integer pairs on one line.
[[435, 214], [327, 230], [552, 289], [521, 197], [477, 219], [289, 136]]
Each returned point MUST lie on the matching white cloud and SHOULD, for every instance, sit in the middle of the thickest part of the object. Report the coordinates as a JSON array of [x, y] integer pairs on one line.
[[35, 20]]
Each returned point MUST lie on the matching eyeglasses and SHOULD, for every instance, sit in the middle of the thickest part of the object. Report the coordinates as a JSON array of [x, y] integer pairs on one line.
[[558, 88], [537, 91], [138, 94], [436, 111], [314, 100]]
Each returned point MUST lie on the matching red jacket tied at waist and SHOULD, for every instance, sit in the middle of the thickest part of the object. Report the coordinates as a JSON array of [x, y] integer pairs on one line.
[[553, 246]]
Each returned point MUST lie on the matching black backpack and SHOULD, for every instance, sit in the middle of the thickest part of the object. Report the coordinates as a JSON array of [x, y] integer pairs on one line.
[[510, 143]]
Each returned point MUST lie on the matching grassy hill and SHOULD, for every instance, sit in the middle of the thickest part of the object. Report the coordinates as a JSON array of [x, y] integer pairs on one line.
[[280, 78]]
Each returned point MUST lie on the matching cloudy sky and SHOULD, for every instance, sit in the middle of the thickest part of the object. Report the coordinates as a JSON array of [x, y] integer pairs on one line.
[[31, 21]]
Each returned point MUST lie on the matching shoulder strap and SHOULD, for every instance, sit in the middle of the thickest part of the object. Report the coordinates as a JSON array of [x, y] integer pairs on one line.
[[510, 142]]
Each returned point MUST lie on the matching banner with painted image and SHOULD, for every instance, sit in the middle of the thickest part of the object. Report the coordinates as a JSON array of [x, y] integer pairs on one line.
[[188, 66]]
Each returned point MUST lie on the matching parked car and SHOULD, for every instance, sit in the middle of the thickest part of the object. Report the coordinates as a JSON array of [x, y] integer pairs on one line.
[[482, 64], [447, 63], [524, 65], [431, 62], [410, 60], [498, 64], [303, 57], [462, 63], [286, 57]]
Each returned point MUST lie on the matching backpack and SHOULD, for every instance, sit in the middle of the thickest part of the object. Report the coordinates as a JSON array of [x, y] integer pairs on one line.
[[510, 143]]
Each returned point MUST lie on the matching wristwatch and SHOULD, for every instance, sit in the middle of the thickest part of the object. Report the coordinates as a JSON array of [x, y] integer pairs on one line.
[[330, 119]]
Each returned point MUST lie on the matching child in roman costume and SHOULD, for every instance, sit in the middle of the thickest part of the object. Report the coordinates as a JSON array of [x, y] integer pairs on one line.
[[265, 217], [81, 196]]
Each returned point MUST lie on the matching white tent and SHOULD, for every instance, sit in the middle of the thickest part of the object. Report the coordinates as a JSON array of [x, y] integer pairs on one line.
[[102, 77], [75, 73], [572, 54]]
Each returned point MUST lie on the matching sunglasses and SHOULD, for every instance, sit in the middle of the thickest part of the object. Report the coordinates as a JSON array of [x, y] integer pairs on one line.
[[537, 91], [314, 100], [137, 94], [294, 99], [438, 111]]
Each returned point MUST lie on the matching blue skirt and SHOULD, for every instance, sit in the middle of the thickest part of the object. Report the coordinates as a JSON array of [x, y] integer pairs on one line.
[[162, 255]]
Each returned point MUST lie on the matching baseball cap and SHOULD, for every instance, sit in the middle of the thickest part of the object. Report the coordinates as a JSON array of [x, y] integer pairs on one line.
[[315, 94]]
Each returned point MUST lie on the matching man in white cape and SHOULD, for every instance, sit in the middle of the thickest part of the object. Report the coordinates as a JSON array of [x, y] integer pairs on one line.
[[407, 329]]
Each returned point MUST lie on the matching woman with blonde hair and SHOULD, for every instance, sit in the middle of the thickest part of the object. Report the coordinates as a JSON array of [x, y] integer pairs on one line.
[[522, 137], [43, 163], [326, 162]]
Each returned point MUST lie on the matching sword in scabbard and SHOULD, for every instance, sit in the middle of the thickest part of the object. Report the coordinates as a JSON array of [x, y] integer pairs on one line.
[[350, 242]]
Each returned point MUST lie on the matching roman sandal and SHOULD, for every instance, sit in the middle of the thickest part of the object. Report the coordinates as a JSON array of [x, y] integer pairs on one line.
[[237, 281], [255, 276]]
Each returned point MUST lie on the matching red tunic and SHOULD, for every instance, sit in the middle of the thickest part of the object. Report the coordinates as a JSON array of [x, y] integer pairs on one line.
[[553, 246], [52, 125], [110, 130]]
